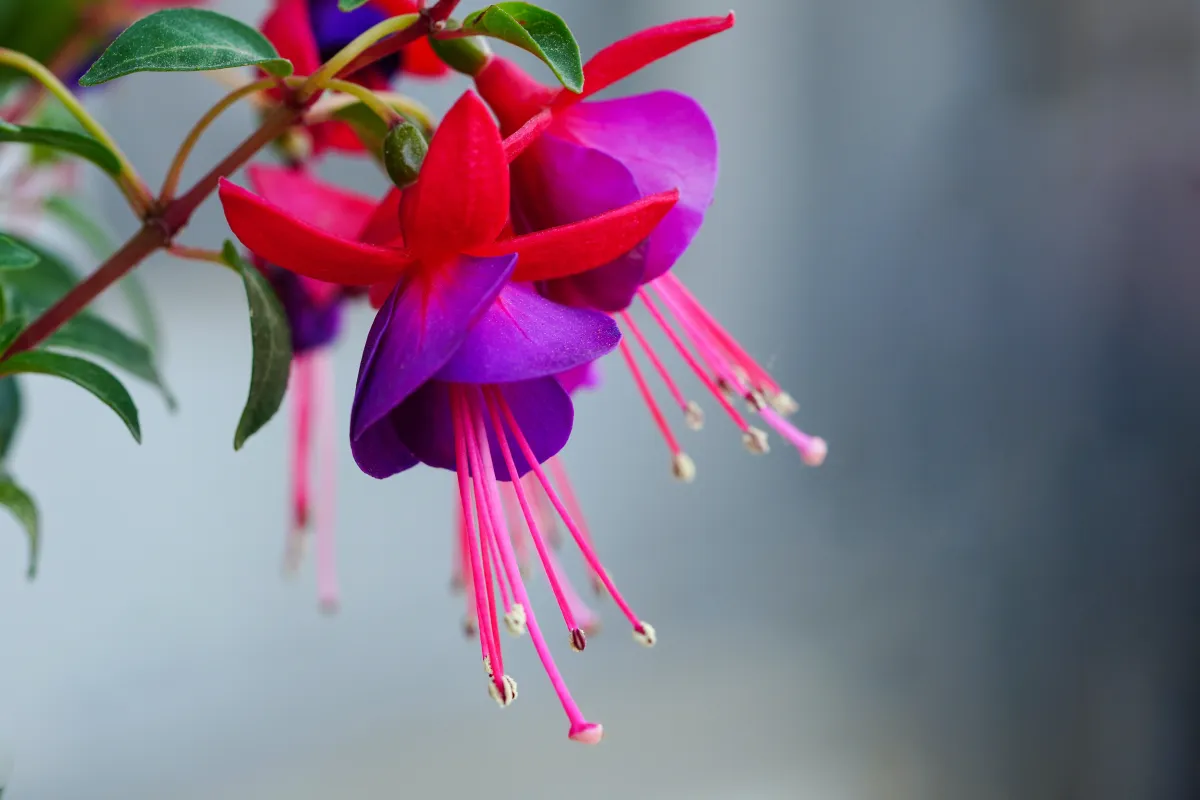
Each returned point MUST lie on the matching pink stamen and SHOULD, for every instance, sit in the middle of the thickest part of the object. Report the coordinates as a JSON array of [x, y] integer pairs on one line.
[[689, 409], [328, 593], [501, 578], [739, 355], [581, 730], [651, 403], [567, 490], [701, 339], [301, 385], [458, 415], [539, 543], [813, 449], [686, 353], [580, 540], [547, 519], [485, 553]]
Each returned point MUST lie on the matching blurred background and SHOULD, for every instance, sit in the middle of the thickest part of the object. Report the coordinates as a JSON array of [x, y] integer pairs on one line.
[[964, 233]]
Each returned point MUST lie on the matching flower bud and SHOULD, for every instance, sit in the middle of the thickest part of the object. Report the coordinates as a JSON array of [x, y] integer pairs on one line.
[[404, 149]]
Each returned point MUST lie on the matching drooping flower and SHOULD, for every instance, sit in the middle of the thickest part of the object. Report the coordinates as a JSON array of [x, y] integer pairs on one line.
[[458, 370], [314, 310], [596, 155], [309, 32]]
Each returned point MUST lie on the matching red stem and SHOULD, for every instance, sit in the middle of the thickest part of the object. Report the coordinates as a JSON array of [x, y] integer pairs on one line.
[[431, 18]]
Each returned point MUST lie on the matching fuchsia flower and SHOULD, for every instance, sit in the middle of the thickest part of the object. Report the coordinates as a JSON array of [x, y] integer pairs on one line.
[[308, 32], [597, 155], [458, 370], [314, 311]]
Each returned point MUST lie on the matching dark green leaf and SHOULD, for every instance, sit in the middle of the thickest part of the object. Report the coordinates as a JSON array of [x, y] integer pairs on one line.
[[14, 255], [85, 374], [350, 5], [10, 414], [185, 40], [98, 240], [24, 510], [79, 144], [272, 342], [534, 29], [87, 333]]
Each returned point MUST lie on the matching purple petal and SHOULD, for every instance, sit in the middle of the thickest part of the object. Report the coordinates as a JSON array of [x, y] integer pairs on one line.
[[560, 182], [315, 321], [667, 141], [380, 452], [424, 320], [542, 408], [576, 379], [334, 29], [524, 336]]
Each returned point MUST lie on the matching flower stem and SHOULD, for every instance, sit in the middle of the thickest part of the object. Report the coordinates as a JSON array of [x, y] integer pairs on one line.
[[368, 98], [336, 65], [128, 180], [171, 183], [431, 19]]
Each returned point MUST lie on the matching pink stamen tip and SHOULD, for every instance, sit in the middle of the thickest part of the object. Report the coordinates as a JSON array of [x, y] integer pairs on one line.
[[817, 450], [587, 733], [329, 605], [578, 640]]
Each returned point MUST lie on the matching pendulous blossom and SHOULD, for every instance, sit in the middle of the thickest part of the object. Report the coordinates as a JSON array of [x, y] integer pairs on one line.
[[458, 369], [314, 311], [595, 155]]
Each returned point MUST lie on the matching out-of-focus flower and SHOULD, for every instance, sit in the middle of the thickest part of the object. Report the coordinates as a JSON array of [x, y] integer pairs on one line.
[[309, 32], [314, 312]]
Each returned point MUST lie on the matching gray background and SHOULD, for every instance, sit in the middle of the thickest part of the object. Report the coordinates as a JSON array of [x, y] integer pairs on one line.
[[964, 234]]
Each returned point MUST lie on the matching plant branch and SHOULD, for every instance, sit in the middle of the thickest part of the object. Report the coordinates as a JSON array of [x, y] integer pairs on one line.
[[431, 19]]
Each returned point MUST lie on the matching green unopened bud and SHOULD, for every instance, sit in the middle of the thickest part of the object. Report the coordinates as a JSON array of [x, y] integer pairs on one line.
[[468, 55], [404, 149]]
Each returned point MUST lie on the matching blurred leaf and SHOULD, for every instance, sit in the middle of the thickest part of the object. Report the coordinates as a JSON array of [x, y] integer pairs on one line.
[[9, 331], [54, 115], [98, 240], [350, 5], [15, 256], [97, 380], [10, 414], [24, 510], [43, 284], [533, 29], [87, 333], [78, 144], [272, 342], [185, 40]]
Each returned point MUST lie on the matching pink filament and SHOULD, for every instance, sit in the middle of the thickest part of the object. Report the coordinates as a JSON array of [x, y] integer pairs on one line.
[[326, 513], [580, 540], [702, 340], [567, 490], [672, 386], [302, 397], [482, 617], [483, 463], [701, 373], [648, 398]]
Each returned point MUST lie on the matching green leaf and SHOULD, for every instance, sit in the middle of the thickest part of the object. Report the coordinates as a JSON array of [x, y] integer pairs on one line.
[[87, 333], [99, 242], [272, 342], [24, 510], [9, 332], [185, 40], [43, 284], [534, 29], [10, 414], [76, 143], [15, 256], [84, 374], [350, 5]]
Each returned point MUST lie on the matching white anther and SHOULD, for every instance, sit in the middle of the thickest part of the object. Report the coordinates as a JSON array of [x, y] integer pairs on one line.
[[784, 403], [683, 467], [514, 620], [509, 694], [693, 415], [644, 634], [756, 441]]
